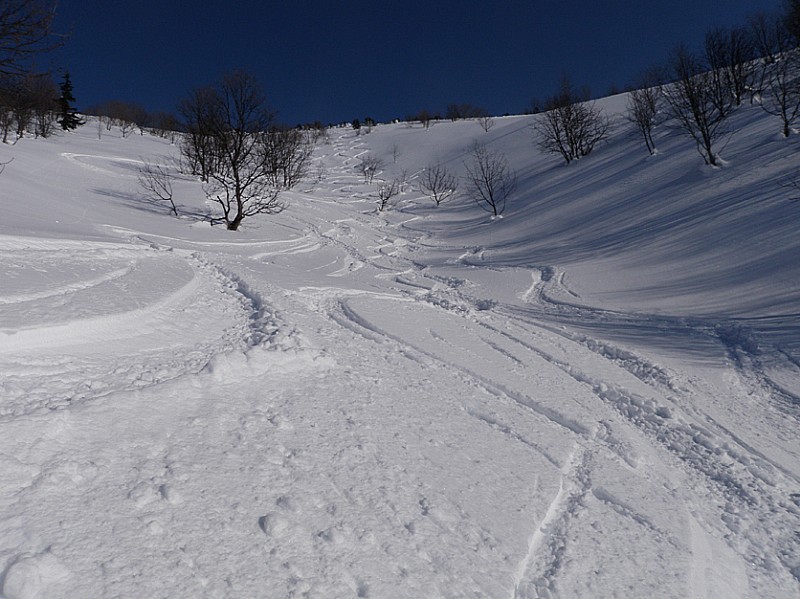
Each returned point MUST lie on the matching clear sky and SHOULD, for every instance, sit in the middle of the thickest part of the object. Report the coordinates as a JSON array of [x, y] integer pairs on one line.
[[335, 61]]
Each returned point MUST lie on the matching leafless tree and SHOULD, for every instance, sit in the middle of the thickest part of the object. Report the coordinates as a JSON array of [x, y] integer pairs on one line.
[[368, 166], [424, 117], [128, 116], [156, 180], [22, 107], [779, 87], [729, 58], [791, 17], [320, 172], [314, 132], [455, 112], [438, 183], [6, 118], [768, 33], [490, 182], [486, 122], [30, 102], [780, 94], [43, 94], [197, 148], [571, 125], [25, 31], [644, 106], [386, 191], [234, 126], [402, 179], [289, 154], [12, 98], [691, 102], [164, 124]]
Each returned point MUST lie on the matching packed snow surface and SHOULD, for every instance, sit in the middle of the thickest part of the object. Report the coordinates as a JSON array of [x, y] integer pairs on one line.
[[596, 395]]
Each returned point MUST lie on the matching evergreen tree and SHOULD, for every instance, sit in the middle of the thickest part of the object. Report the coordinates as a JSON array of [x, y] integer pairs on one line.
[[67, 117]]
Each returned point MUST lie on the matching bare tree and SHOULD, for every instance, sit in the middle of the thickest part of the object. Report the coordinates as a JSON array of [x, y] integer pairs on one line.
[[235, 122], [780, 94], [768, 34], [43, 94], [369, 166], [490, 182], [791, 18], [402, 179], [455, 112], [572, 125], [164, 124], [31, 102], [779, 88], [25, 31], [13, 105], [424, 116], [729, 59], [644, 106], [437, 183], [691, 102], [156, 180], [386, 191], [6, 116], [289, 152], [197, 148], [128, 116], [21, 105], [486, 122]]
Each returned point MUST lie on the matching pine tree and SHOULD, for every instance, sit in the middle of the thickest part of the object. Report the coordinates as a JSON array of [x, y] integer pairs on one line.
[[67, 117]]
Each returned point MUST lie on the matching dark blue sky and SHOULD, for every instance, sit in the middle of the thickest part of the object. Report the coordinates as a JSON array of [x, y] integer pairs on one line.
[[335, 61]]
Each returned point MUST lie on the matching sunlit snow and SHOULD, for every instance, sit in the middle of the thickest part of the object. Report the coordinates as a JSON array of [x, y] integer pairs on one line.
[[595, 396]]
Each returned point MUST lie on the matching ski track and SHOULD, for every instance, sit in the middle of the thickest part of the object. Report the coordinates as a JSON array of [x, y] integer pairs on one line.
[[61, 357], [657, 416], [533, 571], [618, 399], [657, 410]]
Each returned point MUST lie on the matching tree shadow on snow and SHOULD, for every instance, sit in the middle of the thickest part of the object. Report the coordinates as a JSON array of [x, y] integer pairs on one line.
[[153, 206]]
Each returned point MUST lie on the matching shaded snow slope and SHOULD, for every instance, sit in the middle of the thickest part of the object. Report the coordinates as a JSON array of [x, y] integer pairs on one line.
[[596, 395]]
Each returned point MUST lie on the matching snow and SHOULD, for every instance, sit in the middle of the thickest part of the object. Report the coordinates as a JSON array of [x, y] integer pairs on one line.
[[596, 395]]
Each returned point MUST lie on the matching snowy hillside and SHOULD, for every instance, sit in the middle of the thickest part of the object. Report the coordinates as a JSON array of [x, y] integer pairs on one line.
[[596, 395]]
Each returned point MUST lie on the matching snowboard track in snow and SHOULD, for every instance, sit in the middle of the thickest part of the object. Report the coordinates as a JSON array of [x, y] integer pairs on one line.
[[488, 433], [70, 372]]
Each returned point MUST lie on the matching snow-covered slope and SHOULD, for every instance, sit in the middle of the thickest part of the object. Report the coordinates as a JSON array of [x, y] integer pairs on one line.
[[596, 395]]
